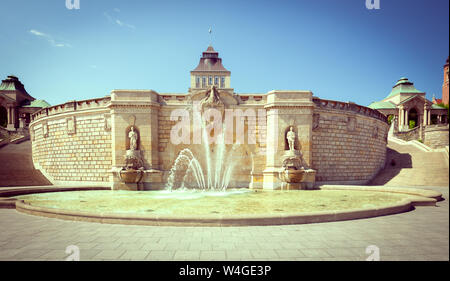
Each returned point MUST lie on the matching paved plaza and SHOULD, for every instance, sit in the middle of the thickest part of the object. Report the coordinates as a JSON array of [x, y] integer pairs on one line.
[[422, 234]]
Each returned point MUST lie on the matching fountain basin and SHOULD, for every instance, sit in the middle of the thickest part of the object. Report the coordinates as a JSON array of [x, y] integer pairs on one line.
[[131, 175], [292, 175], [243, 207]]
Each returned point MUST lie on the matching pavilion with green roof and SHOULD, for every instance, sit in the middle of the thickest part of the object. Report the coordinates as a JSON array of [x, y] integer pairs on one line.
[[410, 107], [16, 105]]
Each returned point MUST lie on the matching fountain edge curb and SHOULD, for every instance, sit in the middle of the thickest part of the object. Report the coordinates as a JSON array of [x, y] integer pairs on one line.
[[416, 198]]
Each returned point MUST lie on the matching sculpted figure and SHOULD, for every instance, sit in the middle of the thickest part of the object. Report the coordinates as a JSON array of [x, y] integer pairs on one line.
[[291, 138], [132, 135]]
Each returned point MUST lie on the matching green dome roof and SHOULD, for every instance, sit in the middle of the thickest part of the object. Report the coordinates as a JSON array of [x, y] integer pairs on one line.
[[381, 105], [403, 85], [38, 103]]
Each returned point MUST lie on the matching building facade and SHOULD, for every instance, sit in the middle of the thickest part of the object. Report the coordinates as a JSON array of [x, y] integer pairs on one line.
[[409, 108], [16, 105]]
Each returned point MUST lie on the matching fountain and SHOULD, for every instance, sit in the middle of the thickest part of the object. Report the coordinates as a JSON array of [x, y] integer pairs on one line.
[[295, 173], [133, 171], [187, 172]]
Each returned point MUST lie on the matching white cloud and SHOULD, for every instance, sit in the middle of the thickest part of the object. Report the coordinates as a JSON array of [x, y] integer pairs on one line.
[[49, 38], [37, 33], [117, 21]]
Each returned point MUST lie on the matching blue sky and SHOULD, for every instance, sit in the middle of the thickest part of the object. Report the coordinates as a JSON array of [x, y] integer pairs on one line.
[[337, 49]]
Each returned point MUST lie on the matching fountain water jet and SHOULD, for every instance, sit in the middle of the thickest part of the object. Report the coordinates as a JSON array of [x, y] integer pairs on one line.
[[218, 173]]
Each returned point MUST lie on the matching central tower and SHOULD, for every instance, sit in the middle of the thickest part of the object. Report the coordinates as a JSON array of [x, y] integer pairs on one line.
[[210, 71]]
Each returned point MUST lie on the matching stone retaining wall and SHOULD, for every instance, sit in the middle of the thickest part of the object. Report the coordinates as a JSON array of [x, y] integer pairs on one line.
[[73, 142], [436, 136], [73, 146], [347, 146], [411, 134]]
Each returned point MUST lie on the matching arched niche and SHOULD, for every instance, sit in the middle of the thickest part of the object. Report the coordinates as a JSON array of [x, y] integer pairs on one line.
[[127, 139]]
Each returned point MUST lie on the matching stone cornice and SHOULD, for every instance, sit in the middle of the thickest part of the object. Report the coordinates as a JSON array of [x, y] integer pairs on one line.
[[63, 115], [71, 107], [350, 107], [285, 105], [132, 103]]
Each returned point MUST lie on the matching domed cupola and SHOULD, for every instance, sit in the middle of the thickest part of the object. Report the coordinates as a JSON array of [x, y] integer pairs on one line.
[[210, 71]]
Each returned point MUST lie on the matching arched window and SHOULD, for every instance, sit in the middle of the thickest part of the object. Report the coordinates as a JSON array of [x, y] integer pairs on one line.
[[413, 118]]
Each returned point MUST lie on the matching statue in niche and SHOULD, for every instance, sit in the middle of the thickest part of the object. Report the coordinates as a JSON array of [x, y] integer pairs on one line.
[[291, 139], [133, 157], [293, 157], [133, 136], [133, 171]]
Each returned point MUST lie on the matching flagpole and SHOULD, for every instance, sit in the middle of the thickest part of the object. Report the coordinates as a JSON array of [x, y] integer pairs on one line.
[[210, 36]]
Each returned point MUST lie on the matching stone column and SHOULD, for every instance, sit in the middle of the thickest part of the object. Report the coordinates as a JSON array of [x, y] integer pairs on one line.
[[401, 119], [401, 116], [406, 120], [139, 109], [11, 119], [425, 116], [285, 109], [8, 110], [429, 117]]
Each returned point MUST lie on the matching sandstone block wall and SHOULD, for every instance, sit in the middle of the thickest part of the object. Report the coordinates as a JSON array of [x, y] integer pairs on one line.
[[436, 136], [347, 146], [78, 152], [73, 142]]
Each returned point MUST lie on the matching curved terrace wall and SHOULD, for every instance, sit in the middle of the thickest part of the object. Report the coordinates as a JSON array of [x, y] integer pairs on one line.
[[71, 142], [349, 142]]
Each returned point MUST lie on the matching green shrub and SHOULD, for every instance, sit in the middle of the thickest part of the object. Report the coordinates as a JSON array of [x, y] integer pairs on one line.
[[390, 118], [412, 124]]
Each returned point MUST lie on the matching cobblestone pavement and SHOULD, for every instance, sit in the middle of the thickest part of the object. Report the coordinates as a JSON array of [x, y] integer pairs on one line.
[[422, 234]]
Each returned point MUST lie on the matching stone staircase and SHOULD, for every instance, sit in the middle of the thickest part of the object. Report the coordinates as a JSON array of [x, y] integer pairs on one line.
[[408, 165], [16, 166]]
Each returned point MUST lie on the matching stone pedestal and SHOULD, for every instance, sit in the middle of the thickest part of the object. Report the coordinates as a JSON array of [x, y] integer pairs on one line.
[[10, 127]]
